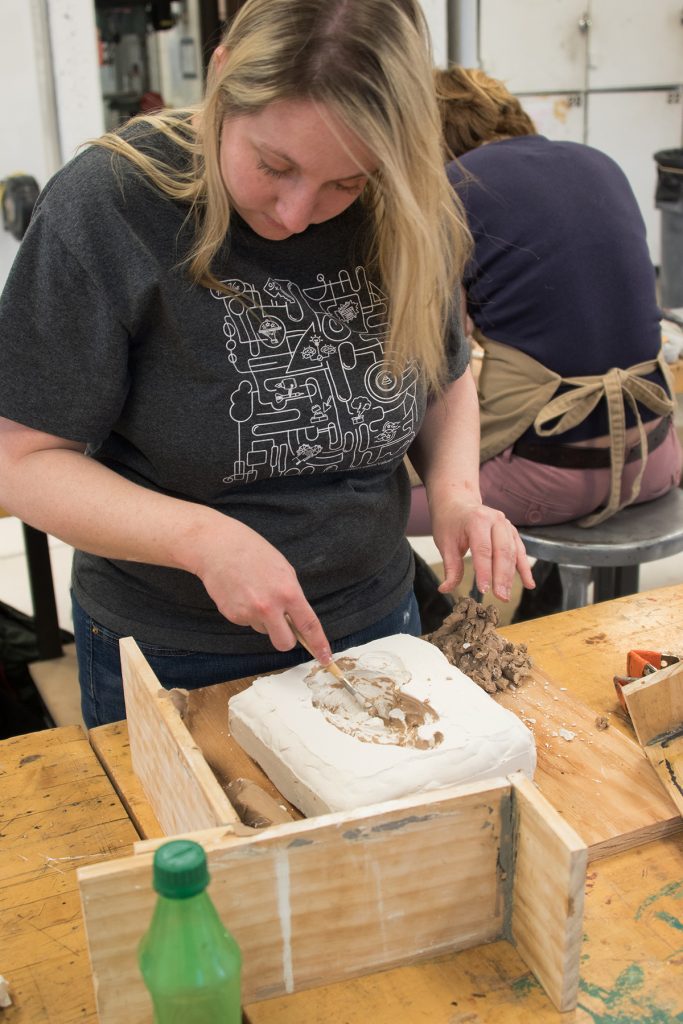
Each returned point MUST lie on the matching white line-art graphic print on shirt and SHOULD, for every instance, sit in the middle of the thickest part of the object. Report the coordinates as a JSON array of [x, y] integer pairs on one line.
[[312, 394]]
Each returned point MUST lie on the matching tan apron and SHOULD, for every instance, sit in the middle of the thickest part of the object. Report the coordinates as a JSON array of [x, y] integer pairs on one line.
[[516, 391]]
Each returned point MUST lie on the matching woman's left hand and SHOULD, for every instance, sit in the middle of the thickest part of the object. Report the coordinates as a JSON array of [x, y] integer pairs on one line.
[[496, 547]]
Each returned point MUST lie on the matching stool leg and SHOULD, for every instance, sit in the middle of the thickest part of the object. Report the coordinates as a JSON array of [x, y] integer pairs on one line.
[[42, 593], [626, 580], [605, 584], [541, 571], [575, 583], [615, 581]]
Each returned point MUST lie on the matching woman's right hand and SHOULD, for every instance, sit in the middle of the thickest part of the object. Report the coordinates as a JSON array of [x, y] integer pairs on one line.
[[49, 483], [252, 584]]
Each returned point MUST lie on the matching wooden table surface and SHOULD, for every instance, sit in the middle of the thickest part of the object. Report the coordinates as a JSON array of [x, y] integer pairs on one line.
[[59, 810]]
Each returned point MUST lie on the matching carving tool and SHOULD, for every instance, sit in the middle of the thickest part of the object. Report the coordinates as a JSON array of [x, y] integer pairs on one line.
[[334, 670]]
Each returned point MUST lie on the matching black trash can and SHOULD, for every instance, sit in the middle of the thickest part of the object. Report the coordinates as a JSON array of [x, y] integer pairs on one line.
[[669, 199]]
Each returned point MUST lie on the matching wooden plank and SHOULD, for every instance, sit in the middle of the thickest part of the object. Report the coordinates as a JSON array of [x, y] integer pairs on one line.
[[181, 788], [112, 747], [593, 769], [630, 965], [667, 761], [583, 649], [655, 704], [322, 900], [57, 812], [547, 906]]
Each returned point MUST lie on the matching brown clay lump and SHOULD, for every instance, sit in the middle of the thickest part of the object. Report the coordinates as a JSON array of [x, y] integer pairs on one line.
[[469, 640]]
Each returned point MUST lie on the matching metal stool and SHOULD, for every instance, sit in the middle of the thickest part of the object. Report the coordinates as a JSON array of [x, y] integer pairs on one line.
[[609, 554]]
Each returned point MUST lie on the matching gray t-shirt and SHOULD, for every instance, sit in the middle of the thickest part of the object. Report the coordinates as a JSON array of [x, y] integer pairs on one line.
[[277, 411]]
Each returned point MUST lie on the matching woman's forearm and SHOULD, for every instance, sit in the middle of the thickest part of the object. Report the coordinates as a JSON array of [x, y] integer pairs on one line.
[[50, 484], [446, 451], [446, 455], [65, 493]]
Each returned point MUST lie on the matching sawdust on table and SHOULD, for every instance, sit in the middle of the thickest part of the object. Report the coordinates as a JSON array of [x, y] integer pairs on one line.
[[468, 638]]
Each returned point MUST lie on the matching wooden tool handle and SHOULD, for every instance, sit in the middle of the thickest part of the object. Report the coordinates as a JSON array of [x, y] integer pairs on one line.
[[298, 635], [332, 667]]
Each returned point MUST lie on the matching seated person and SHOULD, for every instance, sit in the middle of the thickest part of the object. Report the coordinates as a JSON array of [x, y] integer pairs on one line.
[[576, 405]]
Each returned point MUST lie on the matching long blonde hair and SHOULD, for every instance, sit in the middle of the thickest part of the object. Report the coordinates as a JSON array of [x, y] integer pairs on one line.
[[368, 62], [475, 109]]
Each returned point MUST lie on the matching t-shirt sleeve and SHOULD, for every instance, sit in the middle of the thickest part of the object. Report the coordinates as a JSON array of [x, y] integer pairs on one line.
[[457, 347], [63, 353]]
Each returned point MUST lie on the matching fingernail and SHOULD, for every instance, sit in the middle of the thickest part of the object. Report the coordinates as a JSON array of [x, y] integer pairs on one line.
[[325, 656], [503, 593]]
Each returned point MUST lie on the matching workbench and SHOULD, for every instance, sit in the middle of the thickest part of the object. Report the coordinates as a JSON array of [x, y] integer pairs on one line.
[[59, 810]]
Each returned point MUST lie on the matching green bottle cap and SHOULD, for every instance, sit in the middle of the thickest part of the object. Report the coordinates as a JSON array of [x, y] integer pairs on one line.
[[180, 869]]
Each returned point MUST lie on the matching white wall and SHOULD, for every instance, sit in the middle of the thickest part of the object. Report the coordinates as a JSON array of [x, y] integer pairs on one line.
[[76, 72], [28, 146], [436, 13], [50, 86], [605, 72]]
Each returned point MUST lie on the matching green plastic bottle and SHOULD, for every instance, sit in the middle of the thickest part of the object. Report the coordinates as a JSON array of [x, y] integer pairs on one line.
[[189, 961]]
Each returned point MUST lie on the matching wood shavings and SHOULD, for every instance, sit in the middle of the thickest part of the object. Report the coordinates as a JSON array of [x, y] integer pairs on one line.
[[601, 722], [469, 640], [567, 735]]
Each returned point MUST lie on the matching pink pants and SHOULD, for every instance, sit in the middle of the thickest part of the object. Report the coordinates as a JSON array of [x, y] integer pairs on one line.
[[533, 494]]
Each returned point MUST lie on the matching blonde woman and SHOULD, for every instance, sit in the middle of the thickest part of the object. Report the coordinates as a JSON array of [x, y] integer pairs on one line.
[[224, 330]]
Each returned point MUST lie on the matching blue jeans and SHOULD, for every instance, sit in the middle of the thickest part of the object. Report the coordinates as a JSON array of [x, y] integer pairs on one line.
[[99, 665]]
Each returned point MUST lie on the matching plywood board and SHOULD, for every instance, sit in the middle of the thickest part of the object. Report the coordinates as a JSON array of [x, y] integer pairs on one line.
[[655, 704], [180, 786], [112, 747], [599, 780], [547, 907], [667, 760], [326, 899]]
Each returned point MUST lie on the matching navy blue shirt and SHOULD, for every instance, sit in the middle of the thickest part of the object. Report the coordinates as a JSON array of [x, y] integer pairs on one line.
[[561, 268]]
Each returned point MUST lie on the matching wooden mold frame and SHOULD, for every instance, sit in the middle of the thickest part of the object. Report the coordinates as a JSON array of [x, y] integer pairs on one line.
[[655, 704], [330, 898]]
